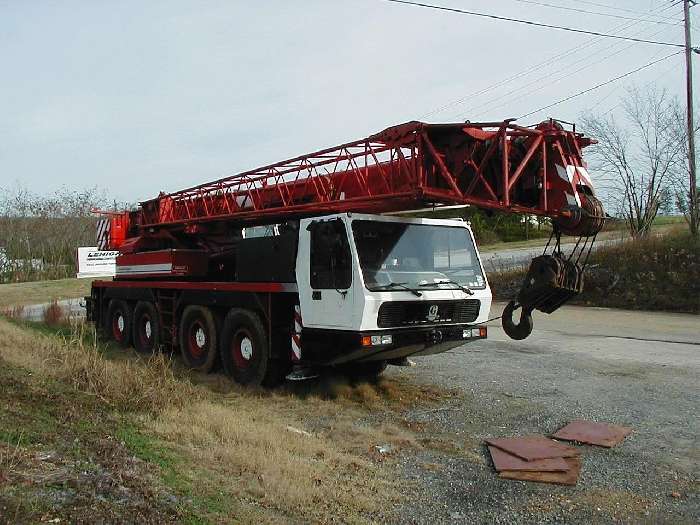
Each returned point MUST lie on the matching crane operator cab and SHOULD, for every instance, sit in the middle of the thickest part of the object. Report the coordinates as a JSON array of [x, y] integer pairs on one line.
[[376, 288]]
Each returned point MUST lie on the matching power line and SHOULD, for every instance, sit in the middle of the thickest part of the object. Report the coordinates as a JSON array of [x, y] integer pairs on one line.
[[617, 8], [540, 86], [601, 85], [597, 13], [647, 84], [590, 42], [535, 24]]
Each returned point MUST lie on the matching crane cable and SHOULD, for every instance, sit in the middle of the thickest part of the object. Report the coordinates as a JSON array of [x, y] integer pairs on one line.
[[488, 105], [589, 43], [596, 13]]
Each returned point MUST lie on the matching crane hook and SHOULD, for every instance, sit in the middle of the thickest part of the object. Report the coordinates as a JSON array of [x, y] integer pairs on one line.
[[523, 328]]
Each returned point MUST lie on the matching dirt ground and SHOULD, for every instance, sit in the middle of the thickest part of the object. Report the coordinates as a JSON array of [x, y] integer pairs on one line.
[[637, 369]]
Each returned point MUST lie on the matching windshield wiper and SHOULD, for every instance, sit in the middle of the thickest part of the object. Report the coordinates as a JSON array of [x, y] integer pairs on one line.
[[465, 289], [397, 285]]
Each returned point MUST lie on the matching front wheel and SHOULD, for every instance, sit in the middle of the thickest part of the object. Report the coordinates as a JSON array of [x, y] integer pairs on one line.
[[198, 338], [245, 352]]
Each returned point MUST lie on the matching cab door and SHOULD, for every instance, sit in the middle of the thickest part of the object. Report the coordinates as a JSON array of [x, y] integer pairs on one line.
[[325, 274]]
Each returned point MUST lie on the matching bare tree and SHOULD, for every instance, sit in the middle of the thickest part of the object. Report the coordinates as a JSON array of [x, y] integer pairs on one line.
[[639, 157], [687, 201]]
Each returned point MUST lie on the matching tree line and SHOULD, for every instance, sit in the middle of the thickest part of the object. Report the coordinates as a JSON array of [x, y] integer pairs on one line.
[[39, 233]]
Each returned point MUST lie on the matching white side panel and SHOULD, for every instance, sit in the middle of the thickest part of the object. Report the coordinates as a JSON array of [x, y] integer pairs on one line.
[[96, 263]]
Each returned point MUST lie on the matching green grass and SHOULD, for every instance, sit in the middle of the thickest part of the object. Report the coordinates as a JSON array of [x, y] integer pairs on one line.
[[662, 220], [71, 430], [37, 292]]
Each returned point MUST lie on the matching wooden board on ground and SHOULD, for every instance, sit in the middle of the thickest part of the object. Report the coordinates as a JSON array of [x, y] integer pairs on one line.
[[570, 477], [504, 461], [530, 448], [600, 434]]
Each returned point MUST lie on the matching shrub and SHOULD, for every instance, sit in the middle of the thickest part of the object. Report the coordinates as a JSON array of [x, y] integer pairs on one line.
[[54, 315], [652, 273]]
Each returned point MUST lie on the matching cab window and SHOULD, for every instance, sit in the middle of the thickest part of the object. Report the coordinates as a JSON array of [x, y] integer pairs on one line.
[[330, 255]]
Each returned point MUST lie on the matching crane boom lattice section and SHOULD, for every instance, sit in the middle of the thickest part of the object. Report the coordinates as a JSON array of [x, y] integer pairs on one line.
[[489, 165]]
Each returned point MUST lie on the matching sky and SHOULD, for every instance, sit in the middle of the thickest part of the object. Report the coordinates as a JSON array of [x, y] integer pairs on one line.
[[139, 97]]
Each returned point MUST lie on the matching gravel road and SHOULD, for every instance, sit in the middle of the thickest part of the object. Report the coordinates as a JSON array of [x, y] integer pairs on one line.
[[632, 368]]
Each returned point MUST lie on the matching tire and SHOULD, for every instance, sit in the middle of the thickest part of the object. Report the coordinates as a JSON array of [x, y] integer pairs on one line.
[[198, 338], [119, 322], [245, 351], [146, 328], [366, 371]]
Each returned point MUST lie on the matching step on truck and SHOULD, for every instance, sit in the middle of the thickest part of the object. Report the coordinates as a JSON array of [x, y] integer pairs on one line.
[[304, 264]]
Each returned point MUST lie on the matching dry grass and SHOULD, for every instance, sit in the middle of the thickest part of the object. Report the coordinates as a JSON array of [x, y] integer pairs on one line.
[[233, 446], [17, 294], [248, 452], [13, 312], [142, 386], [654, 273], [10, 457]]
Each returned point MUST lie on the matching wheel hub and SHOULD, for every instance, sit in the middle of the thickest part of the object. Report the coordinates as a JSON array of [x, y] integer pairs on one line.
[[120, 323], [200, 338], [246, 348], [147, 329]]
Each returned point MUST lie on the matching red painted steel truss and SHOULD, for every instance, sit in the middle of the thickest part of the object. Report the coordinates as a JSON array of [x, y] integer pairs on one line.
[[502, 166]]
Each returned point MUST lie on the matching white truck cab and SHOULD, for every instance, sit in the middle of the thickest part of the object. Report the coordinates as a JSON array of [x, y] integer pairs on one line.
[[405, 286]]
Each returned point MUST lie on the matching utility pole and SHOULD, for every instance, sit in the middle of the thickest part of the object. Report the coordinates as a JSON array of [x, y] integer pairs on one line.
[[693, 204]]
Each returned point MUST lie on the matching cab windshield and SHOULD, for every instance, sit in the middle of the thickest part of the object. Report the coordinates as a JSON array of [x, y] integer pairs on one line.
[[396, 255]]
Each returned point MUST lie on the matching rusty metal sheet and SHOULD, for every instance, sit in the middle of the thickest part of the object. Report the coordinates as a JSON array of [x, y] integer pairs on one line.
[[504, 461], [601, 434], [533, 447], [570, 477]]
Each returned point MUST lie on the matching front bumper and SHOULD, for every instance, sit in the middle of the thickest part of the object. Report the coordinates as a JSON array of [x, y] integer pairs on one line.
[[334, 347]]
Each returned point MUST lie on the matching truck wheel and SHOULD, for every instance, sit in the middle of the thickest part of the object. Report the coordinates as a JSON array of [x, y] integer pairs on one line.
[[119, 322], [366, 371], [146, 327], [198, 338], [245, 352]]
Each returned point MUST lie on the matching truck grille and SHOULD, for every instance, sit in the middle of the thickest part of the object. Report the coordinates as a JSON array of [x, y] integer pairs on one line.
[[410, 313]]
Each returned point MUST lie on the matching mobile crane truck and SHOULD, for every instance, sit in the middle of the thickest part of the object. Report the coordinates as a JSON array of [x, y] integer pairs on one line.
[[303, 264]]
